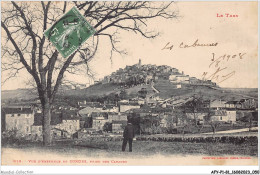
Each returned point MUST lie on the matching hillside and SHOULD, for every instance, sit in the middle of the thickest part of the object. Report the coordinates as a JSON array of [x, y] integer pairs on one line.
[[249, 92], [163, 81], [93, 90], [166, 89], [18, 94]]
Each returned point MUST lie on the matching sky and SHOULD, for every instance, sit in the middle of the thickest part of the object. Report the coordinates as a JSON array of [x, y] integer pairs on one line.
[[198, 21]]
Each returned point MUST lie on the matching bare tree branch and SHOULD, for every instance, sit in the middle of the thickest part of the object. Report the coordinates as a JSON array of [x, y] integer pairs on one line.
[[25, 46]]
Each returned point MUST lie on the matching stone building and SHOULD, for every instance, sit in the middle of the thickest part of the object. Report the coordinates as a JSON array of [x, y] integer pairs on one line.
[[99, 120], [123, 107], [19, 119], [63, 124], [112, 116], [118, 126], [224, 116]]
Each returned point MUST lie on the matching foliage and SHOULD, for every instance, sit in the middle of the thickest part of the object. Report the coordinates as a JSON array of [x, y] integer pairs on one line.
[[135, 120], [196, 106], [247, 118], [12, 137], [150, 124], [123, 94], [107, 127], [218, 139], [214, 124], [142, 93], [178, 119], [88, 122], [24, 46]]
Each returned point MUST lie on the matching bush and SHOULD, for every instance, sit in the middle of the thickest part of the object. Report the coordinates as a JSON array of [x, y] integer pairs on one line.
[[219, 139], [101, 138], [171, 130], [11, 138], [107, 127]]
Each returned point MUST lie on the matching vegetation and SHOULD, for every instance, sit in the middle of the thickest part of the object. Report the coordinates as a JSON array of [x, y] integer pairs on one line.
[[112, 147], [150, 125], [12, 138], [214, 124], [142, 93], [204, 139], [26, 48], [247, 119], [107, 127], [98, 92]]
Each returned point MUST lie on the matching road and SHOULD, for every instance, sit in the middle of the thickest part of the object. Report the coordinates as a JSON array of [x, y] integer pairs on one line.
[[233, 131]]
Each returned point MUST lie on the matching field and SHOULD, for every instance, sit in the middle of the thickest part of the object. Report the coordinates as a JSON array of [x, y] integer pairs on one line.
[[174, 148], [167, 90], [160, 152], [143, 148]]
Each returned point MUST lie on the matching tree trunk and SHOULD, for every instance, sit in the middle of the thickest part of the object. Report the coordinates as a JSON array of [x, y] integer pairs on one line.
[[183, 130], [200, 128], [214, 130], [250, 124], [47, 139]]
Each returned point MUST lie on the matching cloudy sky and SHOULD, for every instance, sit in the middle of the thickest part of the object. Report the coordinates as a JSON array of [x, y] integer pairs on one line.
[[197, 21]]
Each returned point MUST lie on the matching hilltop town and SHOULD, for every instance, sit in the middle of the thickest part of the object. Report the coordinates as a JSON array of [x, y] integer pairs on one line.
[[148, 74], [157, 99]]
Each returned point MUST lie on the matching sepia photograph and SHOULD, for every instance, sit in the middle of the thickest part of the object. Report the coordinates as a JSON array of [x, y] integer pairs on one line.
[[91, 83]]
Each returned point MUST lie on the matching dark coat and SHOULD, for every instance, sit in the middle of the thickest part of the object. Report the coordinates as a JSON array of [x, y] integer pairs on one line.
[[129, 132]]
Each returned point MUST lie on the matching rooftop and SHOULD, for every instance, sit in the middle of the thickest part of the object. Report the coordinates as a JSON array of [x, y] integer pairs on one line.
[[88, 110], [119, 122], [38, 119], [19, 110], [56, 118]]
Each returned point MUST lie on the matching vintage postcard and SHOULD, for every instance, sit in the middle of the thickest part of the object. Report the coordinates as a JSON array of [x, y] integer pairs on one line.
[[129, 83]]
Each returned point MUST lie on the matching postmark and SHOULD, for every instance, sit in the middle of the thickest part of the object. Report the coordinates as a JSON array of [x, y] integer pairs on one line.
[[69, 32]]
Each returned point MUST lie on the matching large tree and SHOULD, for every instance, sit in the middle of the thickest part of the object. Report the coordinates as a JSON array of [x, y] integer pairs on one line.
[[25, 47], [198, 108]]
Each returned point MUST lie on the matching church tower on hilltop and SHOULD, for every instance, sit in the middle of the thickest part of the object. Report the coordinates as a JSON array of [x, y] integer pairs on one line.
[[139, 63]]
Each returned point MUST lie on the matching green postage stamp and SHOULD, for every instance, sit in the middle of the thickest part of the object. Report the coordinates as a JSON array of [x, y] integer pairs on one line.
[[69, 32]]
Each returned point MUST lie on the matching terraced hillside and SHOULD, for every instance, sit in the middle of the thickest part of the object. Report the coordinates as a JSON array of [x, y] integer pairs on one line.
[[166, 89]]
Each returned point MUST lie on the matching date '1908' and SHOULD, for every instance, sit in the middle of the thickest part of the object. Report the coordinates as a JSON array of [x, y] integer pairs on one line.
[[218, 74]]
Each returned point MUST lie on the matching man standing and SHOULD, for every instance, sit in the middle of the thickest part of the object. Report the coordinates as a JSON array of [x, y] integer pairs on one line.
[[128, 136]]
